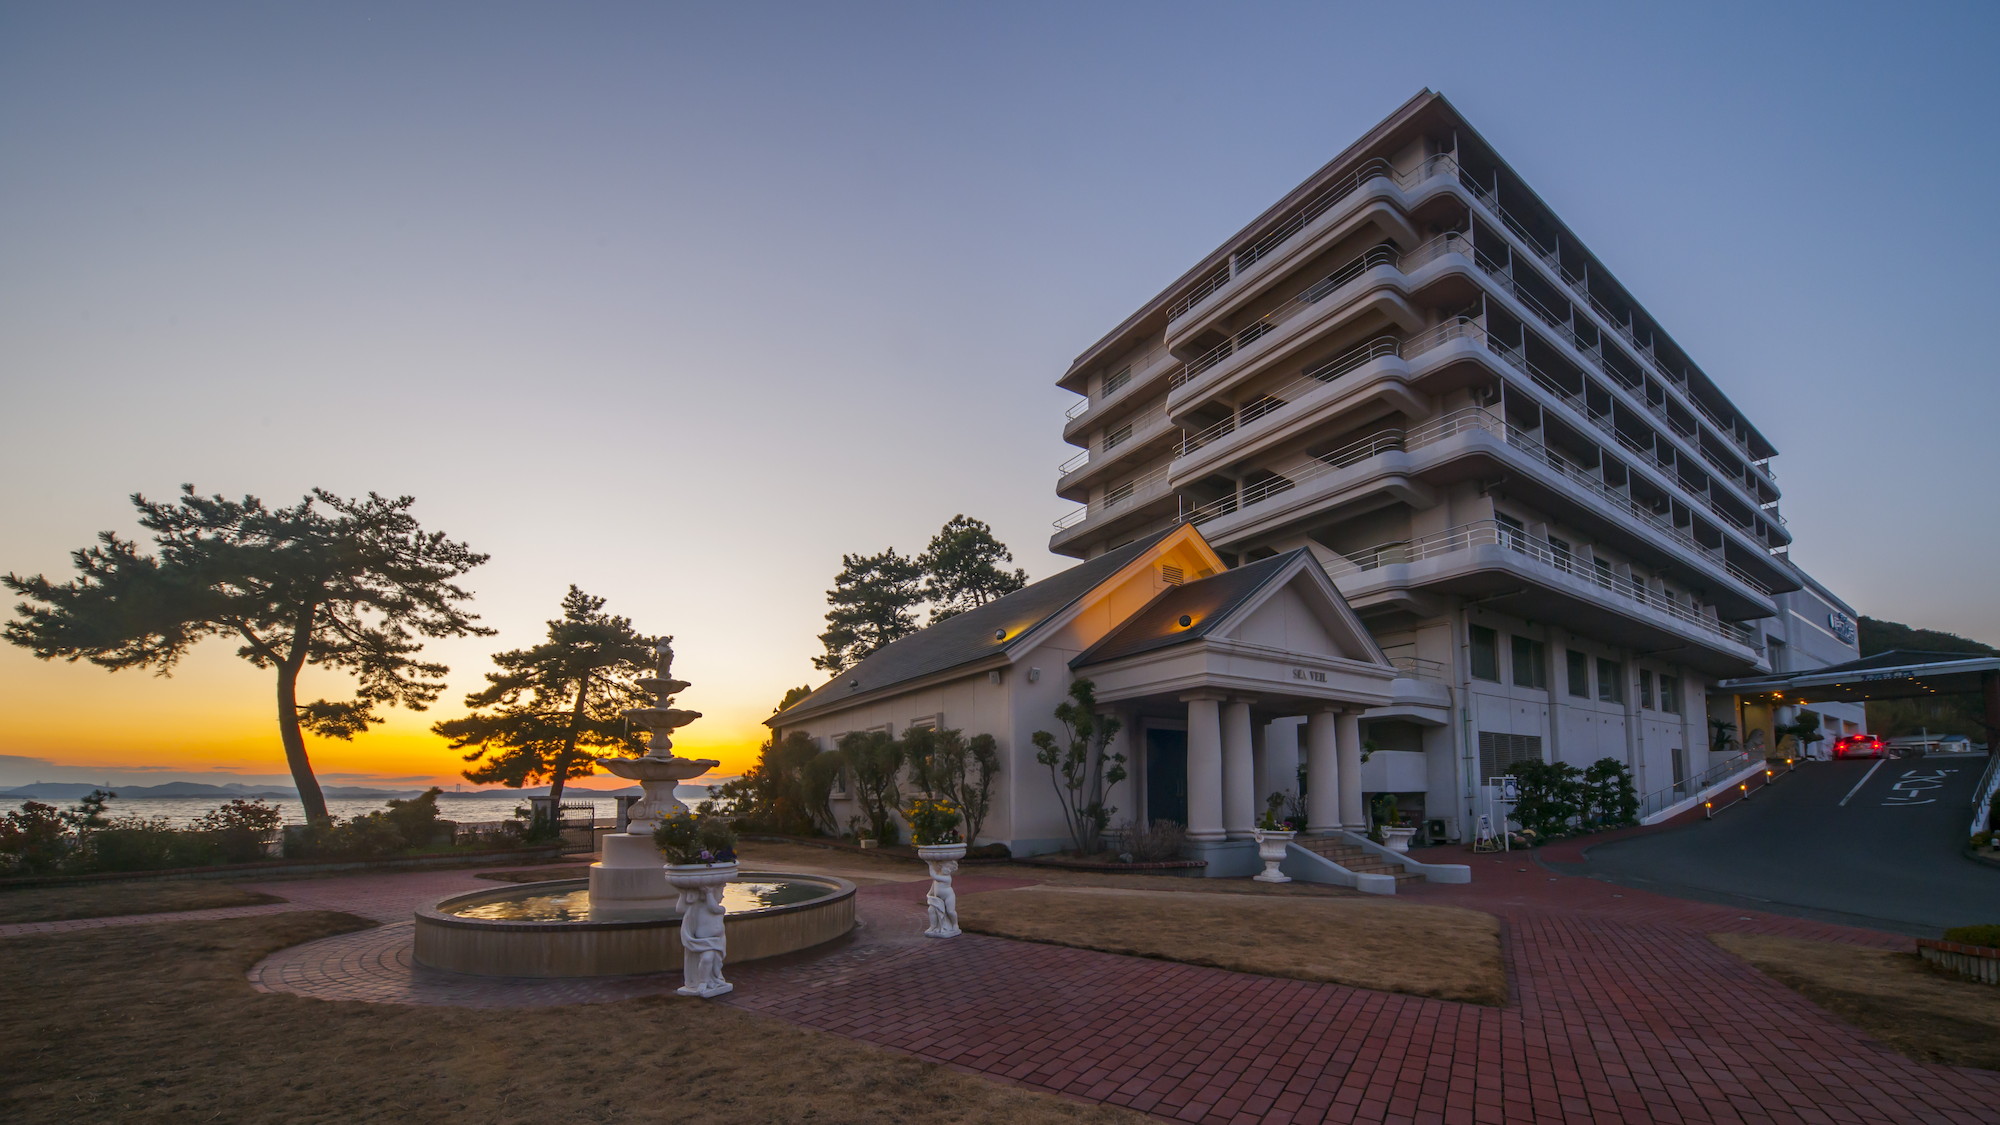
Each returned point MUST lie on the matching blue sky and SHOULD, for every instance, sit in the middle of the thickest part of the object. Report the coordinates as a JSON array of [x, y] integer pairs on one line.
[[681, 302]]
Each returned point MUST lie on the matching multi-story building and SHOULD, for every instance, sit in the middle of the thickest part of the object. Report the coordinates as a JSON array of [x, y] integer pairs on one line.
[[1554, 523]]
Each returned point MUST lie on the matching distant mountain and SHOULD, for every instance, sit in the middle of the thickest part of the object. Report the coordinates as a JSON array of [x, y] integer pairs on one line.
[[1934, 715], [73, 790]]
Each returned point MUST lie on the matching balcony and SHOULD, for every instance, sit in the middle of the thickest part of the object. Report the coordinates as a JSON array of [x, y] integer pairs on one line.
[[1465, 559], [1130, 500], [1243, 257], [1143, 432], [1606, 320]]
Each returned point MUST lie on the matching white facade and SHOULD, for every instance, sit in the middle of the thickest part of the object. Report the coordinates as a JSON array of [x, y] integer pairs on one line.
[[1197, 661]]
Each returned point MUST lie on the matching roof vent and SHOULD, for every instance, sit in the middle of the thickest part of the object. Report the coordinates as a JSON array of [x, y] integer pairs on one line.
[[1171, 575]]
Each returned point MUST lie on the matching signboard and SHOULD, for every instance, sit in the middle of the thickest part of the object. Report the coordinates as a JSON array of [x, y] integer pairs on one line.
[[1842, 626], [1507, 788]]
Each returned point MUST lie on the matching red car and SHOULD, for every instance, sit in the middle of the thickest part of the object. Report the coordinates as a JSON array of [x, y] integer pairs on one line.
[[1860, 746]]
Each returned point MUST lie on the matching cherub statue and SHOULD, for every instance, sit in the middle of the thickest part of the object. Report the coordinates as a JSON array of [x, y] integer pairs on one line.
[[943, 901], [665, 651], [703, 944]]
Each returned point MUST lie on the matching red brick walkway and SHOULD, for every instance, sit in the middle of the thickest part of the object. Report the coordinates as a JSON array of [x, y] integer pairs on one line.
[[1622, 1011]]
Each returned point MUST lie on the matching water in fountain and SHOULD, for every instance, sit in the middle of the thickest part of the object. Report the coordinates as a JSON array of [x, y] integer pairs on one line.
[[630, 873]]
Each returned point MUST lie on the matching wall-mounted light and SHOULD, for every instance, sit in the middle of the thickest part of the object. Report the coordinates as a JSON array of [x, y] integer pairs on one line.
[[999, 634], [1186, 621], [1034, 675], [993, 677]]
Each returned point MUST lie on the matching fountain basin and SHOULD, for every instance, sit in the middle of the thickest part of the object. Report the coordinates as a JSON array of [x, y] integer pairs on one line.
[[548, 929]]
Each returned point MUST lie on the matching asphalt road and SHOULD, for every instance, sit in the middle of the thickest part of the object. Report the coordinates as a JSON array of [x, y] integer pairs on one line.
[[1854, 843]]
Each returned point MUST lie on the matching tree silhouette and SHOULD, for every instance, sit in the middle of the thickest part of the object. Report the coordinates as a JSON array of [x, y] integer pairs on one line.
[[962, 568], [874, 599], [328, 582], [547, 706]]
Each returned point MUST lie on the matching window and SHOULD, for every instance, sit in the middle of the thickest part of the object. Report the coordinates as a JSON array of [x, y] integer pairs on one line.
[[1670, 694], [1603, 571], [1579, 673], [1610, 681], [1531, 665], [1116, 381], [1117, 437], [1646, 688], [1559, 552], [1513, 533], [1485, 654], [838, 789], [1500, 753], [1116, 496]]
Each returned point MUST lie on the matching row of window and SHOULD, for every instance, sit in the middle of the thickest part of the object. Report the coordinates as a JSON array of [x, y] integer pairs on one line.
[[1530, 665]]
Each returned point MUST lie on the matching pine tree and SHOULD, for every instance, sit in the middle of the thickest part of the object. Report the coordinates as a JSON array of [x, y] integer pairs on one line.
[[874, 599], [962, 568], [548, 706], [329, 582]]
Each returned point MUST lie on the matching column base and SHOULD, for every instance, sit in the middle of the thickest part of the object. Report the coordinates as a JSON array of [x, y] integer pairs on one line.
[[1226, 859]]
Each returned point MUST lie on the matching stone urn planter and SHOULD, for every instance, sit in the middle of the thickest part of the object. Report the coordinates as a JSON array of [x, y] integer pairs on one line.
[[704, 944], [1271, 845], [1398, 839], [942, 859]]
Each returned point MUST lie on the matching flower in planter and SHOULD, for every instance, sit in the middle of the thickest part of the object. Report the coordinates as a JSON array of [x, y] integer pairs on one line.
[[689, 839], [932, 822]]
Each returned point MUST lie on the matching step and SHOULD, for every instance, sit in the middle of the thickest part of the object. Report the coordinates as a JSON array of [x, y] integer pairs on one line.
[[1355, 858]]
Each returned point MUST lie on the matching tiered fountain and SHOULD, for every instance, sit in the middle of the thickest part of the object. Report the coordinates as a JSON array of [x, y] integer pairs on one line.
[[628, 876], [627, 918]]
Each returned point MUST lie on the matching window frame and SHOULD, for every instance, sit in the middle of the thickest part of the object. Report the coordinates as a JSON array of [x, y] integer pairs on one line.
[[1491, 639]]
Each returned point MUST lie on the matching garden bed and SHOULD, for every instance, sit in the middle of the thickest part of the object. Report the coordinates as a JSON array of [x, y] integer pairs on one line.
[[287, 867], [1093, 863]]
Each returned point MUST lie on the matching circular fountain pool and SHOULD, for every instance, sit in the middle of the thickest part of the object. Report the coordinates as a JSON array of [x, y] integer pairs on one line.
[[550, 930]]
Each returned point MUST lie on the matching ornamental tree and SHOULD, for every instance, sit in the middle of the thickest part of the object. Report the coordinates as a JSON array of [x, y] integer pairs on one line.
[[549, 707], [959, 769], [1080, 767], [353, 585]]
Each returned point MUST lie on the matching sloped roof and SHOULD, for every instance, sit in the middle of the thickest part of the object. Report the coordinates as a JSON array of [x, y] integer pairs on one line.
[[1207, 602], [969, 637]]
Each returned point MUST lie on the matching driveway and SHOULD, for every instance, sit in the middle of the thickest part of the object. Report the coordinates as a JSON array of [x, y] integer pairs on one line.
[[1860, 843]]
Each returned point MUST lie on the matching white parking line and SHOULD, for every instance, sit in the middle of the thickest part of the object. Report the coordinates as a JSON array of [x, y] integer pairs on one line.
[[1863, 781]]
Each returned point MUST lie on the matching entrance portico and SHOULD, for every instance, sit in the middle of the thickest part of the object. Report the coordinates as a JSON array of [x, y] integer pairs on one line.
[[1222, 660]]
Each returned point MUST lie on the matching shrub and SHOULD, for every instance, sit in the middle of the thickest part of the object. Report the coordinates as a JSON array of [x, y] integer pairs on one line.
[[34, 839], [1551, 797], [990, 851], [136, 843], [688, 839], [1157, 842], [1609, 800], [1987, 935], [933, 822], [239, 829]]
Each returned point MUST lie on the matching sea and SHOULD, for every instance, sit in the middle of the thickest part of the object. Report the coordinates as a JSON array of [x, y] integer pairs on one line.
[[470, 808]]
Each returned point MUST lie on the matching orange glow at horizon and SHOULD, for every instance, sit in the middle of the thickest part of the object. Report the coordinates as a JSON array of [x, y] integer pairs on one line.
[[217, 714]]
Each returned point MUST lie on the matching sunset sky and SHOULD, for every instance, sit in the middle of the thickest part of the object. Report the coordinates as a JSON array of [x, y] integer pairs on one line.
[[681, 302]]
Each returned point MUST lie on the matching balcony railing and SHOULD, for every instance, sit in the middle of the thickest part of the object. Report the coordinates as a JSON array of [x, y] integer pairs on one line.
[[1249, 254], [1480, 533], [1138, 489], [1579, 287], [1076, 408], [1416, 667], [1383, 255]]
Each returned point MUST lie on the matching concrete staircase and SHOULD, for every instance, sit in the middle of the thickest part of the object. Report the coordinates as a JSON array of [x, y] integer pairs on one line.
[[1354, 857]]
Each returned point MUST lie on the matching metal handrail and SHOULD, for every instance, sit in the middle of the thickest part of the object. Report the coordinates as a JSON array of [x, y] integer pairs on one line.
[[1492, 533], [1671, 795], [1313, 294], [1199, 293], [1418, 667], [1073, 464], [1076, 408]]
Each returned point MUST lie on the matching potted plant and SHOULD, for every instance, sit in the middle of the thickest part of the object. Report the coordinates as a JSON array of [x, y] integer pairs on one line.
[[1272, 839], [1396, 832], [863, 835], [934, 830], [701, 859]]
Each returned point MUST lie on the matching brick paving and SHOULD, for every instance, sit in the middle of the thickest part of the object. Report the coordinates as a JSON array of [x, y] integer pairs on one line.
[[1621, 1011]]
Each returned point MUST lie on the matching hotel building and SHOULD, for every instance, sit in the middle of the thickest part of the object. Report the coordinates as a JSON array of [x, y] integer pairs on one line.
[[1557, 527]]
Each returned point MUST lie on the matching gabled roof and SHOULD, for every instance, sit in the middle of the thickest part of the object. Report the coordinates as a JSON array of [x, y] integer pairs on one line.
[[1206, 603], [971, 636]]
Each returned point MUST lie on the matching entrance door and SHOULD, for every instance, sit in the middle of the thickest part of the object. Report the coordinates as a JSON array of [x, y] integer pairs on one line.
[[1166, 775]]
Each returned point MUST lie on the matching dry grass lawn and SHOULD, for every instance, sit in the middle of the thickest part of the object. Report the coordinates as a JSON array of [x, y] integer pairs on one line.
[[156, 1023], [98, 900], [1440, 951], [1925, 1014]]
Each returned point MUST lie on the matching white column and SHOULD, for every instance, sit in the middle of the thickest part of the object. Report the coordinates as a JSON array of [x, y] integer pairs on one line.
[[1322, 774], [1351, 815], [1204, 768], [1239, 772]]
